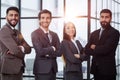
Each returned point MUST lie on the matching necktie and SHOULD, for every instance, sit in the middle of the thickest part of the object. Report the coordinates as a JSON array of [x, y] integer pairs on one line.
[[101, 31], [47, 37], [16, 36], [15, 32]]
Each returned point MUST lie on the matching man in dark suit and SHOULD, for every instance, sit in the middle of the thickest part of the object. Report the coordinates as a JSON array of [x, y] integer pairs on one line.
[[13, 47], [46, 44], [102, 46]]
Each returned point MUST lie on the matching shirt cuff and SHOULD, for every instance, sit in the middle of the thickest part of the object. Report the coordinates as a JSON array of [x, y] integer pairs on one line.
[[54, 48], [22, 49]]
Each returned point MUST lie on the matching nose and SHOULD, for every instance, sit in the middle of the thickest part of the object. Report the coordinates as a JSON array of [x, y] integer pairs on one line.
[[14, 16], [103, 19]]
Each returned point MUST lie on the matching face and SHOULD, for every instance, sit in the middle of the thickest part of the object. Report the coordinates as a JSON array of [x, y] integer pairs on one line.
[[45, 20], [12, 17], [70, 30], [105, 19]]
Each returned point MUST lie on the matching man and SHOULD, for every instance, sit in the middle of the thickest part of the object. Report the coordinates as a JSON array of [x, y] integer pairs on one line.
[[46, 44], [102, 46], [13, 47]]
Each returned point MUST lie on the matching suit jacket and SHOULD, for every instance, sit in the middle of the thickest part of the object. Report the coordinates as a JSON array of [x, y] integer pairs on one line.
[[68, 49], [12, 63], [103, 61], [45, 59]]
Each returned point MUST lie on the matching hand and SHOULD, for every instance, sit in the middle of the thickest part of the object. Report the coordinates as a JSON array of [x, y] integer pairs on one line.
[[93, 46], [47, 55], [54, 48], [22, 48], [77, 55], [9, 52]]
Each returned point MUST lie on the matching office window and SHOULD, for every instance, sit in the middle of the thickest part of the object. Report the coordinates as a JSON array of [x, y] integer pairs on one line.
[[76, 8], [3, 22], [99, 7], [93, 8], [5, 4], [27, 27], [57, 26], [55, 6], [104, 4], [63, 11], [30, 8]]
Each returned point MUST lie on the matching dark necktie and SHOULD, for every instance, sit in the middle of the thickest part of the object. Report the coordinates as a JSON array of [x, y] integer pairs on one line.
[[47, 36], [16, 36], [15, 32]]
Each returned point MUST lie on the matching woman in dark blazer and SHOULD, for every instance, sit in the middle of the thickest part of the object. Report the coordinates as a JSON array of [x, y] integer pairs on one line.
[[72, 52]]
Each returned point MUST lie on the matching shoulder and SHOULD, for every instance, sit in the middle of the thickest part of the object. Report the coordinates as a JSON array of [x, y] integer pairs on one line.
[[4, 30], [65, 41], [35, 32], [53, 33], [114, 30], [96, 31]]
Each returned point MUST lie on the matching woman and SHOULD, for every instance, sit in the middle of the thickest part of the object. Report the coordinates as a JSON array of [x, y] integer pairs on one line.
[[72, 52]]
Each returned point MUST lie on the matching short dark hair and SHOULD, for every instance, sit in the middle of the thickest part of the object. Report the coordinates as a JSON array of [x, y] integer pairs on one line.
[[106, 11], [44, 11], [12, 8]]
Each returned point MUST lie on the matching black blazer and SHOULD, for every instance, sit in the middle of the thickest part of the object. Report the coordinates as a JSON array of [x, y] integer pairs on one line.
[[104, 53], [69, 49], [45, 58]]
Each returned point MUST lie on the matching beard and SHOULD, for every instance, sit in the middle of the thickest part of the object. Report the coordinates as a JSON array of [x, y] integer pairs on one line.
[[105, 24], [12, 24]]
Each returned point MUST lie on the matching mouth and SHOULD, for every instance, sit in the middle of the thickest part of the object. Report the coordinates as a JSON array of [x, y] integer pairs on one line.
[[104, 23], [14, 21]]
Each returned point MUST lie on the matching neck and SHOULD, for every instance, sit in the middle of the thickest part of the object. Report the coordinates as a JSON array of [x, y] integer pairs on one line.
[[46, 29], [72, 37]]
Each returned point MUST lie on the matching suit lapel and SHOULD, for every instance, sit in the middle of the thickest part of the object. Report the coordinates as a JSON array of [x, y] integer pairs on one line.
[[51, 37], [8, 27], [104, 33], [15, 35], [73, 47], [11, 32], [43, 35], [79, 45]]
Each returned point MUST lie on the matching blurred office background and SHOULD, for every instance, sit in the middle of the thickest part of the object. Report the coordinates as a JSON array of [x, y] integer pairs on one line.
[[83, 13]]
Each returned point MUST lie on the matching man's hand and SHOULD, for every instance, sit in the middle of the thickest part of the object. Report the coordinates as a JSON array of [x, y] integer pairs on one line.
[[9, 52], [93, 46], [22, 48], [54, 48], [77, 55]]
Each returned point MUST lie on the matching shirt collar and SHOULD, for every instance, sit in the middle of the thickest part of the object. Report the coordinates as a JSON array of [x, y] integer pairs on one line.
[[102, 28], [44, 30], [11, 26]]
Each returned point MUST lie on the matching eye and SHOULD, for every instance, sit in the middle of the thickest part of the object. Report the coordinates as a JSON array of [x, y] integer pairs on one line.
[[102, 16], [42, 17], [11, 15]]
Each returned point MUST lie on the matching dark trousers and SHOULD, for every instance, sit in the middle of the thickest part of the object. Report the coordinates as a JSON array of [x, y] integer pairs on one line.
[[73, 76], [46, 76], [18, 76], [104, 77]]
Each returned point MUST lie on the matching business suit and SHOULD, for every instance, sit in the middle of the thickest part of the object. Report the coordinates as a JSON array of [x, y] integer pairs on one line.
[[45, 60], [73, 66], [103, 62], [12, 64]]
